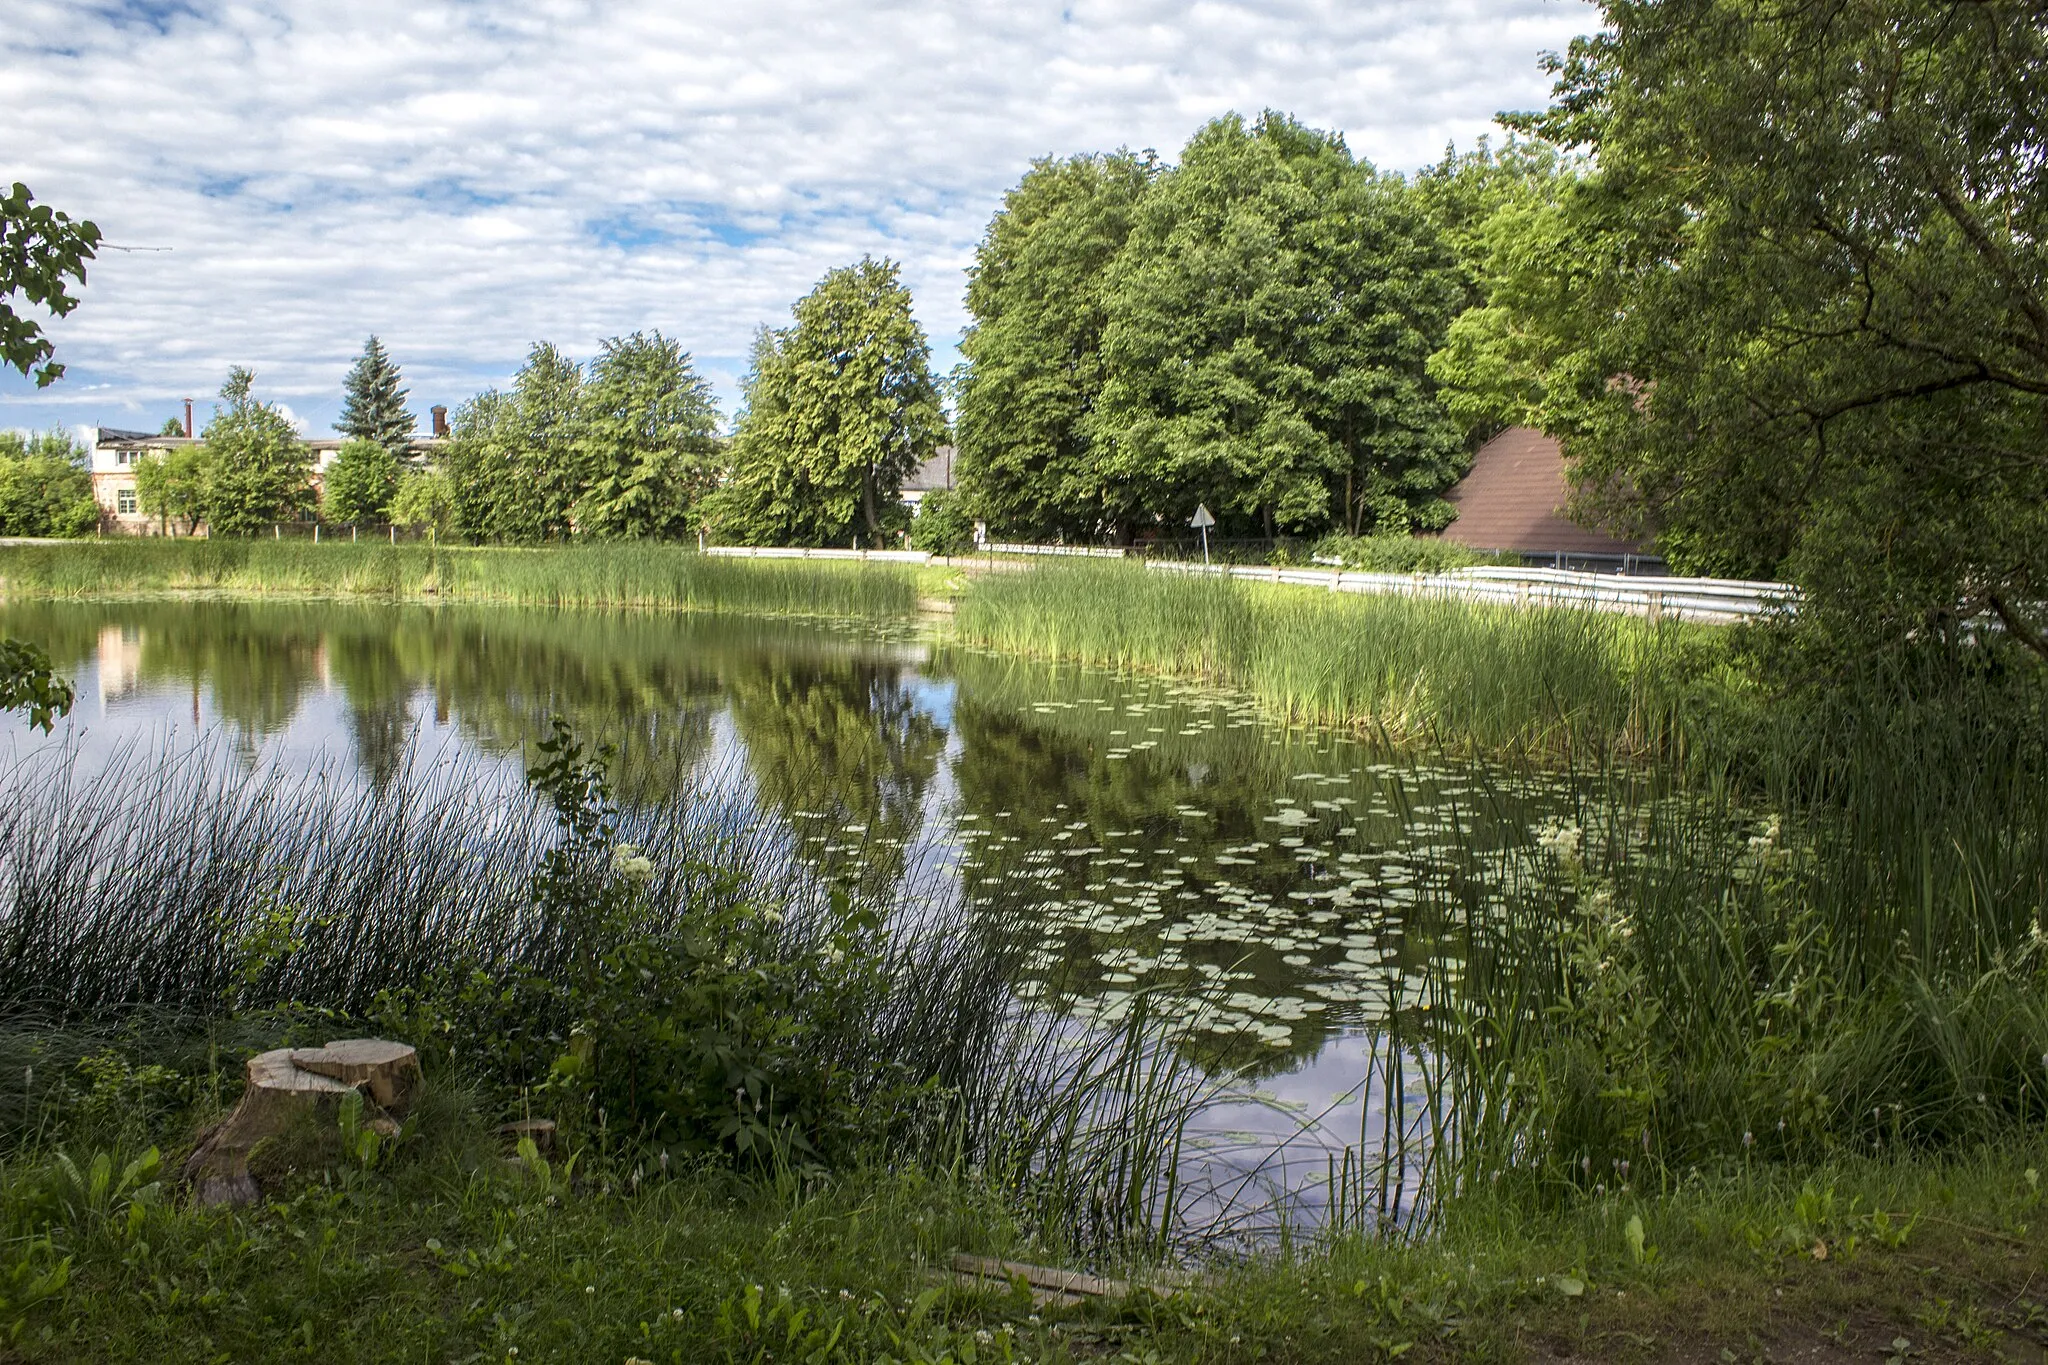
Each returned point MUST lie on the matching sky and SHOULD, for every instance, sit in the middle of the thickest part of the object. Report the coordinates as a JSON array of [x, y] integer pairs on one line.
[[464, 179]]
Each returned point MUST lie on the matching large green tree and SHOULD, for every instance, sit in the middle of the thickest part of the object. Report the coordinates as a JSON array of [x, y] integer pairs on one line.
[[1269, 319], [841, 408], [510, 461], [257, 470], [1798, 320], [1033, 370], [645, 440], [360, 484], [373, 401], [44, 487]]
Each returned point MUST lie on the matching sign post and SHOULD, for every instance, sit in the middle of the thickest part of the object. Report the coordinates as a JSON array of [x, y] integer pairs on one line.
[[1204, 519]]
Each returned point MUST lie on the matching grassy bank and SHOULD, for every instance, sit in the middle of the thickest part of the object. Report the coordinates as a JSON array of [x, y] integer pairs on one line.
[[1465, 676], [442, 1250], [660, 577]]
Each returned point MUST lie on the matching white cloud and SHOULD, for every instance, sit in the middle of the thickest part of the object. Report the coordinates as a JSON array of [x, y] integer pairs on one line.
[[465, 178]]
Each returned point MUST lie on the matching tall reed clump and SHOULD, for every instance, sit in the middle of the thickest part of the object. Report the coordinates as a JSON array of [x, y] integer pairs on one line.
[[1465, 676], [1847, 954], [663, 577], [668, 981]]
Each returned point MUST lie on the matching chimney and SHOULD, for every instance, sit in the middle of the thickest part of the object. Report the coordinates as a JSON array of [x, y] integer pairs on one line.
[[188, 419], [440, 419]]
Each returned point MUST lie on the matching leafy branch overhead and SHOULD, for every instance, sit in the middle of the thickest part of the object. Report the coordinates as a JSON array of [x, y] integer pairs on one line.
[[41, 249]]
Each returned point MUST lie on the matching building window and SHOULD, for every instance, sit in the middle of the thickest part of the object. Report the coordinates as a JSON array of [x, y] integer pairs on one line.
[[124, 501]]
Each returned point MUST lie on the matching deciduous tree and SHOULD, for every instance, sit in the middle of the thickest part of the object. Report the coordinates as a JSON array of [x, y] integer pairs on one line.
[[645, 440], [1803, 324], [360, 483], [257, 470], [841, 408], [45, 489], [1033, 368], [1269, 319]]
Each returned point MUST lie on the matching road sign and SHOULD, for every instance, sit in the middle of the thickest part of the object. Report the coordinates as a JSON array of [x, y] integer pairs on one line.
[[1204, 518]]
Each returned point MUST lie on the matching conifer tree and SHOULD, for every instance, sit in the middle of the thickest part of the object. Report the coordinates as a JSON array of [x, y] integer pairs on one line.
[[373, 405]]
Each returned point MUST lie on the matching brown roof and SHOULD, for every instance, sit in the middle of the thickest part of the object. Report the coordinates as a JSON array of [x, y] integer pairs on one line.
[[1514, 499]]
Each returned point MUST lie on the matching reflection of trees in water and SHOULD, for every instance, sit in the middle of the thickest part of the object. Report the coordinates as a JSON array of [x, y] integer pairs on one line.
[[838, 733], [643, 684], [1027, 775]]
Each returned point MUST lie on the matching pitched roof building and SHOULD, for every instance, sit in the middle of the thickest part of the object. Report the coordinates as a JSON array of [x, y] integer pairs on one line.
[[1514, 499]]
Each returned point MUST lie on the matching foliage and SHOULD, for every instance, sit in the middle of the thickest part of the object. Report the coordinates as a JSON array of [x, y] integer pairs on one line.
[[1403, 554], [27, 684], [1034, 350], [45, 489], [361, 484], [1795, 322], [1268, 319], [422, 500], [171, 486], [256, 470], [509, 458], [373, 405], [703, 1037], [840, 409], [41, 248], [644, 440], [942, 525]]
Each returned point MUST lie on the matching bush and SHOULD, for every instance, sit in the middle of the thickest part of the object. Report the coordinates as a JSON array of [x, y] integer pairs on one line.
[[1404, 554], [44, 487], [942, 526]]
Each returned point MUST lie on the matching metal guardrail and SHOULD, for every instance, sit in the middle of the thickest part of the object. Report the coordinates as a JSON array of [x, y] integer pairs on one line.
[[1686, 599]]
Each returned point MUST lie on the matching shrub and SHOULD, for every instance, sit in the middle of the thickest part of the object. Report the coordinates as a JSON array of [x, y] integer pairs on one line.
[[942, 526], [1404, 554]]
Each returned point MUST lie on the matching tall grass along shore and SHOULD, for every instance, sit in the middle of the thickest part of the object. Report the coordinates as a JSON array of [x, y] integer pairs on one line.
[[658, 577], [1458, 674]]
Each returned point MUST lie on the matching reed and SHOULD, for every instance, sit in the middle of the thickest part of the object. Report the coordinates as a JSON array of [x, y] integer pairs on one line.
[[1463, 676], [178, 894], [650, 576]]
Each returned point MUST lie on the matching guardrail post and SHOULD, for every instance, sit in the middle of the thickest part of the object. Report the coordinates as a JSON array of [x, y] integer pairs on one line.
[[1656, 611]]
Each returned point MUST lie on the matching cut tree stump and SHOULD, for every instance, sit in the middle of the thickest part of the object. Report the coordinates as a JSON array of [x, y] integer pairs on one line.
[[292, 1086]]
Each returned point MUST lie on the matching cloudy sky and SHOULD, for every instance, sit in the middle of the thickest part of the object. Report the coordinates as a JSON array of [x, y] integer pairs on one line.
[[465, 178]]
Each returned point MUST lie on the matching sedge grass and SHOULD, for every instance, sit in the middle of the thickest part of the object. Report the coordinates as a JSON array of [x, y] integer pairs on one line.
[[1464, 676], [647, 576]]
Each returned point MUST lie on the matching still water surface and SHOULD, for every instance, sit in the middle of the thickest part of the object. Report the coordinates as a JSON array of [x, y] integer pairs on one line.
[[1149, 832]]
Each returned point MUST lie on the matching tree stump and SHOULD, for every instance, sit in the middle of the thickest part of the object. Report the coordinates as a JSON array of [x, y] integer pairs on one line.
[[290, 1087]]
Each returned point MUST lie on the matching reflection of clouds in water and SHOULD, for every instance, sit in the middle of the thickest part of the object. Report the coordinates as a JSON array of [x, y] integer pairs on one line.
[[1315, 1147]]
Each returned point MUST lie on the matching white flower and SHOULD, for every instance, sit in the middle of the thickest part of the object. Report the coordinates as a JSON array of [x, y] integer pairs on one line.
[[630, 863], [1560, 839]]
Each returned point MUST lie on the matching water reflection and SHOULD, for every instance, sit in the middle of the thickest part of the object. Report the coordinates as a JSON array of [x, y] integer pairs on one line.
[[1283, 890]]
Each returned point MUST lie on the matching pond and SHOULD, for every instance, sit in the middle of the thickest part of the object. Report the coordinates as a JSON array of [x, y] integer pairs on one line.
[[1300, 888]]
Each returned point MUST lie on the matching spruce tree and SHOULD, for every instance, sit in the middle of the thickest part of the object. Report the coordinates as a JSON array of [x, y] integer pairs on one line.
[[373, 404]]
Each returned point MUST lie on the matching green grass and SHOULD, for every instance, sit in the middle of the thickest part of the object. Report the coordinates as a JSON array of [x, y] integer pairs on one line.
[[1467, 677], [659, 577], [444, 1251]]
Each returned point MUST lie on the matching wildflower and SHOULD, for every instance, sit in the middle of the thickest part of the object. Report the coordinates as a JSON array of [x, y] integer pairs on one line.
[[630, 863], [676, 1313], [985, 1337], [1560, 839], [1748, 1138], [590, 1289]]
